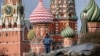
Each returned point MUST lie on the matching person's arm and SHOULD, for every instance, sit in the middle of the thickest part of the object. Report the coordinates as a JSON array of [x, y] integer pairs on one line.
[[51, 40], [43, 41]]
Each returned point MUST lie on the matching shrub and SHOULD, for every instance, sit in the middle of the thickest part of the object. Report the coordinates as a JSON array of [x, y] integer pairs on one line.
[[31, 34]]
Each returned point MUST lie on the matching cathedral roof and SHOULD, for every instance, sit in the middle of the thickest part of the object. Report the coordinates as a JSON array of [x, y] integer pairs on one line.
[[92, 12], [68, 32], [40, 14]]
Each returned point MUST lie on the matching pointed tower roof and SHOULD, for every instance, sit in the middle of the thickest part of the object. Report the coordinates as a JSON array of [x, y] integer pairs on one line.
[[40, 14], [91, 12]]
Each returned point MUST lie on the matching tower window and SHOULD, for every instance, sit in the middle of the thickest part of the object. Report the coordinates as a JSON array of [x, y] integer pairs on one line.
[[6, 42], [62, 14], [62, 29], [3, 25], [54, 15], [69, 15], [30, 27], [25, 49], [15, 24], [13, 41], [6, 34], [7, 50], [9, 25]]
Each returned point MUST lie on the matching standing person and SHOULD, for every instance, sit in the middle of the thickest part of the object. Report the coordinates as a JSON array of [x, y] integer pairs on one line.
[[47, 43]]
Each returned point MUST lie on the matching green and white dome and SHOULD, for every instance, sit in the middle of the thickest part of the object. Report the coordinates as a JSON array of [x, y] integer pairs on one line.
[[92, 11], [68, 32]]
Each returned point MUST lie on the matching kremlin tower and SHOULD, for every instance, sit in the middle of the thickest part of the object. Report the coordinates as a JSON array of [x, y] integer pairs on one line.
[[13, 29]]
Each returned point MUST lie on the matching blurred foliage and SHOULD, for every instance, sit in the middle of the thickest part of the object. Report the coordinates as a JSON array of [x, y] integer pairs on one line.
[[31, 34], [93, 37]]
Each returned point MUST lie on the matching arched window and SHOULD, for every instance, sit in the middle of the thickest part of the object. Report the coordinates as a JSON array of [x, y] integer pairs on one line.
[[62, 14], [69, 15], [6, 34], [9, 26], [30, 27], [54, 15], [3, 25], [15, 24]]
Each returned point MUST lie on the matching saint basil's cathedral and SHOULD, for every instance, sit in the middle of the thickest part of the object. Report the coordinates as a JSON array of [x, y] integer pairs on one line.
[[60, 23]]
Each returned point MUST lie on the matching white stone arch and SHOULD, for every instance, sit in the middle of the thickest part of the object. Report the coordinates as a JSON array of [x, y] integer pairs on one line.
[[26, 25]]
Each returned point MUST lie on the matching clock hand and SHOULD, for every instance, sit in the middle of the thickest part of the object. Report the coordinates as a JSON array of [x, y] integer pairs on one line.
[[8, 10]]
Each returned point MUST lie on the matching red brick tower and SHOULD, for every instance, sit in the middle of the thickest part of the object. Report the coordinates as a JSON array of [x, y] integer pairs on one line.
[[64, 13], [13, 31]]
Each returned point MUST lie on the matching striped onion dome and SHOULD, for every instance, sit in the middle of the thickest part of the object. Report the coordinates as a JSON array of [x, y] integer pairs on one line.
[[92, 12], [68, 32], [40, 14]]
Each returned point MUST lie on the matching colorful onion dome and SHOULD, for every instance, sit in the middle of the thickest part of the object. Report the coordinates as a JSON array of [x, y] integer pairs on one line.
[[68, 32], [40, 14], [92, 12]]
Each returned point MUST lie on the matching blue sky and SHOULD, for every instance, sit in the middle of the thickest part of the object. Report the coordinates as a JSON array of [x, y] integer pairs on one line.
[[31, 4]]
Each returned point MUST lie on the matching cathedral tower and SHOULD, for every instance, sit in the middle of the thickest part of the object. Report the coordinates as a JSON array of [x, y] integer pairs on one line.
[[65, 15], [12, 29], [42, 19]]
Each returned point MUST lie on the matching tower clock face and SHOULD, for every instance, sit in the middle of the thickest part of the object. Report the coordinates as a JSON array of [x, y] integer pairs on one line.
[[8, 10]]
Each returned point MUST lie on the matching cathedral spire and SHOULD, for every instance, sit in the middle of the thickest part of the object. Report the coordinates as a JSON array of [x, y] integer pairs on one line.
[[40, 14], [40, 0]]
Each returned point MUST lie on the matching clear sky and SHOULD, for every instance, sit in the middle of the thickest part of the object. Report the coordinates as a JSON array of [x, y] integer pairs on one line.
[[31, 4]]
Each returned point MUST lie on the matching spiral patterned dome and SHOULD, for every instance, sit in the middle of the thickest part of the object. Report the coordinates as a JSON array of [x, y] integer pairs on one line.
[[92, 12], [68, 32], [40, 14]]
